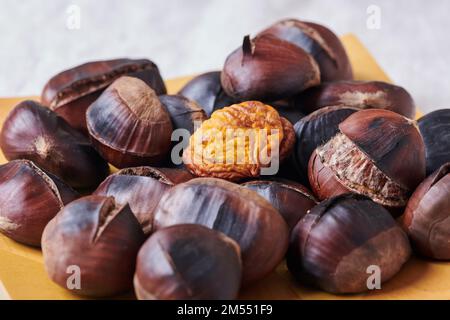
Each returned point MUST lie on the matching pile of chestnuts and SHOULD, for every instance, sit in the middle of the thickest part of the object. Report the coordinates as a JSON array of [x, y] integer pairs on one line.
[[92, 180]]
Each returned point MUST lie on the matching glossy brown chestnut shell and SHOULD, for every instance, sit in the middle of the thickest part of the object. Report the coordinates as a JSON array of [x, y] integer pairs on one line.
[[290, 198], [141, 188], [318, 41], [313, 131], [377, 153], [426, 218], [238, 212], [36, 133], [360, 94], [97, 237], [207, 91], [435, 130], [268, 69], [128, 124], [29, 199], [333, 246], [69, 93], [184, 113], [188, 261]]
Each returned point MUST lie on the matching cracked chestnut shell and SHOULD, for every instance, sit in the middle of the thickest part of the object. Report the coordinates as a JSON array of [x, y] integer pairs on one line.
[[36, 133], [334, 244], [128, 124], [377, 153], [426, 218], [141, 188], [360, 94], [207, 91], [238, 212], [318, 41], [99, 238], [188, 262], [268, 69], [313, 131], [435, 130], [69, 93], [184, 113], [29, 199], [290, 198]]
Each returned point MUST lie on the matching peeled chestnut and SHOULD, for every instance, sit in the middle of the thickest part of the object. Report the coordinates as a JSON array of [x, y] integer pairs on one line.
[[238, 212], [268, 69], [188, 261], [377, 153], [340, 241], [426, 217], [207, 91], [128, 124], [70, 92], [360, 94], [36, 133], [29, 199], [184, 113], [318, 41], [290, 198], [96, 240], [141, 188], [435, 130], [313, 131]]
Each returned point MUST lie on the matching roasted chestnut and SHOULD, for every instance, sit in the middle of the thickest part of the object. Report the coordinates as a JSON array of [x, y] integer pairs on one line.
[[128, 124], [188, 261], [426, 217], [239, 141], [336, 245], [318, 41], [377, 153], [96, 240], [313, 131], [360, 94], [36, 133], [268, 69], [141, 188], [290, 198], [207, 91], [29, 199], [184, 113], [435, 130], [70, 92], [238, 212]]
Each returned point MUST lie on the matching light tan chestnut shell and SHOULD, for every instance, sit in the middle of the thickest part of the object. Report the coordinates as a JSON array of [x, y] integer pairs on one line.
[[236, 211]]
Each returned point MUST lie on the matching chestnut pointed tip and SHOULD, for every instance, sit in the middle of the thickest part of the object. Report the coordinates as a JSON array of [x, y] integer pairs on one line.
[[248, 48]]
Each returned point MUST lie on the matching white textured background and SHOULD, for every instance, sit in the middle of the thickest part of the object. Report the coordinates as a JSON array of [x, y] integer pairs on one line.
[[187, 37]]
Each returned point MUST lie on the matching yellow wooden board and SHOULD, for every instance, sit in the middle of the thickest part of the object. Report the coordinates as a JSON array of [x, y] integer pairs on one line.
[[22, 274]]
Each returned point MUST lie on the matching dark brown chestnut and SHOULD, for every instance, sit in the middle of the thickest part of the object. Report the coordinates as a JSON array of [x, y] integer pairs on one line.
[[95, 240], [36, 133], [238, 212], [29, 199], [268, 69], [426, 218], [360, 94], [435, 130], [69, 93], [128, 124], [290, 198], [184, 113], [188, 261], [141, 188], [318, 41], [336, 245], [377, 153], [207, 91], [313, 131]]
